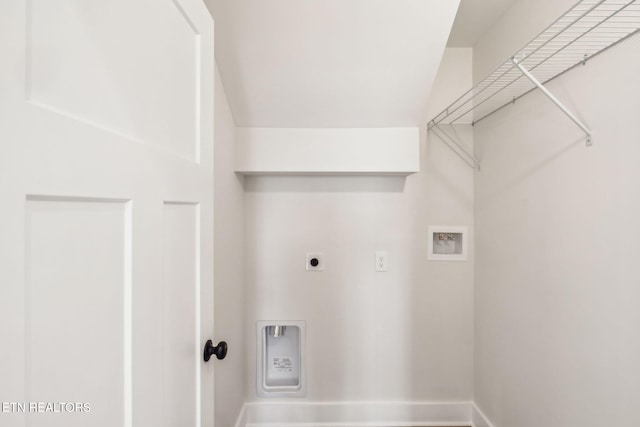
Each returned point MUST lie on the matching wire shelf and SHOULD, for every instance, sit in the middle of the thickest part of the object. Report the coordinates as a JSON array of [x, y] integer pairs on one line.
[[587, 29]]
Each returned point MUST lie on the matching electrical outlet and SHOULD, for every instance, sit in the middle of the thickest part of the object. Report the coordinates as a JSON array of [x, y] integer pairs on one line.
[[314, 261], [382, 261]]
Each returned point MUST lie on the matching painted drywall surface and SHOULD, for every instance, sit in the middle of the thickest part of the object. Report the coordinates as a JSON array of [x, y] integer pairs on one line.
[[405, 334], [229, 266], [557, 246], [358, 63]]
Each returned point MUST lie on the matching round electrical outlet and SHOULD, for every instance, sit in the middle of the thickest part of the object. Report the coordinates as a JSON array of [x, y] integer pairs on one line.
[[314, 261]]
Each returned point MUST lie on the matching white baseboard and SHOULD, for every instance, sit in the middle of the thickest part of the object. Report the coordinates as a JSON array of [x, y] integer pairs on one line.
[[361, 414], [356, 414], [478, 418], [242, 417]]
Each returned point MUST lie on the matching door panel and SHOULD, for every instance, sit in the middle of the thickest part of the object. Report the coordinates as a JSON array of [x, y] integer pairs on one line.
[[106, 211], [127, 55], [181, 294], [78, 278]]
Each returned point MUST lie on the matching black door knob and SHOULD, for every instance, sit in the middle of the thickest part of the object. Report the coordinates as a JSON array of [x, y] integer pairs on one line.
[[219, 350]]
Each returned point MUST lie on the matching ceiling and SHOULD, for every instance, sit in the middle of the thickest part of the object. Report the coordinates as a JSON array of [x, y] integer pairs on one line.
[[330, 63], [474, 18]]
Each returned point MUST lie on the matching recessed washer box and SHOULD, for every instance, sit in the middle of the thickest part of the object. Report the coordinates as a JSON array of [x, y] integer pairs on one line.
[[447, 243], [281, 358]]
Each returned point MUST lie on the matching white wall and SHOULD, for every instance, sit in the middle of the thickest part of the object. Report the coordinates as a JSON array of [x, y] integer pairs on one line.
[[401, 335], [229, 266], [557, 243]]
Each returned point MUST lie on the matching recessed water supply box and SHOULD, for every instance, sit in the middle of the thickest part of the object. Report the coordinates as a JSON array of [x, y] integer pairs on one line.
[[281, 358], [447, 243]]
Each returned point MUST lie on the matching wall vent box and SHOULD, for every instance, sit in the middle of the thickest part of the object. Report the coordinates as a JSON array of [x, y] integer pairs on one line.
[[281, 358], [447, 243]]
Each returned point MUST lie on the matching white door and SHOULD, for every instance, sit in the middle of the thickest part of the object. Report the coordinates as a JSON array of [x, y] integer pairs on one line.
[[106, 213]]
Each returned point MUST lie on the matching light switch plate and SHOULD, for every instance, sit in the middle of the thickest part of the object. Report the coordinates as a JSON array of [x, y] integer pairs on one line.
[[382, 261]]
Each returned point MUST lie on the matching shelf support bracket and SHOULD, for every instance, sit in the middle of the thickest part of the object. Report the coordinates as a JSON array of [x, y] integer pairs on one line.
[[456, 147], [555, 100]]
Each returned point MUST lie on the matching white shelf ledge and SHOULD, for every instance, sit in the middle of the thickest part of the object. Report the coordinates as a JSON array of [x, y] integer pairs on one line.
[[362, 151]]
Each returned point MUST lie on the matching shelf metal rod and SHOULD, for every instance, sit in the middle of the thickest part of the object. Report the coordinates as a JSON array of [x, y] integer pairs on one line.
[[469, 158], [553, 99]]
